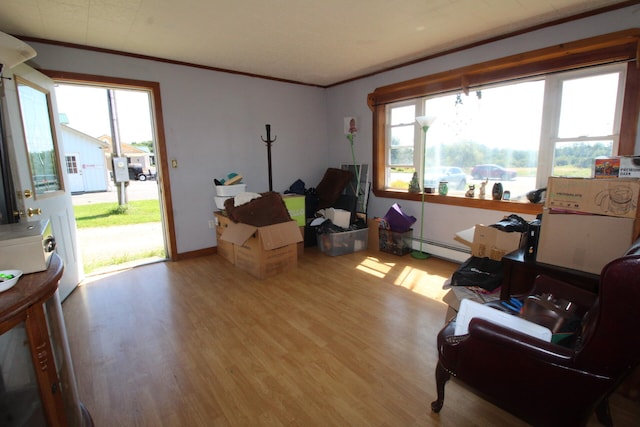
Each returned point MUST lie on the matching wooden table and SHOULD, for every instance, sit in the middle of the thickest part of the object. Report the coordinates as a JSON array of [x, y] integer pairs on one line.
[[31, 313]]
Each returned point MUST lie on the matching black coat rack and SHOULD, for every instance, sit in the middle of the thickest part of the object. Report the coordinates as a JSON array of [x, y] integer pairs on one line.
[[268, 142]]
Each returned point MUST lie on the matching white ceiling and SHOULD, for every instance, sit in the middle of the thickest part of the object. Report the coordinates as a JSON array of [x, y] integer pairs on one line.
[[316, 42]]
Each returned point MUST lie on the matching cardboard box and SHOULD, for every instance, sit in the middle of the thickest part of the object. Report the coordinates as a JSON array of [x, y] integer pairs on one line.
[[296, 207], [225, 249], [617, 167], [489, 242], [613, 197], [264, 251], [453, 304], [334, 244], [300, 245], [465, 236], [373, 225], [583, 242], [394, 242]]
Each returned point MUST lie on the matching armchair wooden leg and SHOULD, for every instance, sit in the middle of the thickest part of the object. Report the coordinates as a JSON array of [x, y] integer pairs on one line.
[[442, 376], [604, 413]]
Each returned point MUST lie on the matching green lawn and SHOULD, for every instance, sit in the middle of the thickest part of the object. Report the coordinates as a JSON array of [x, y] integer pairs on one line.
[[108, 214]]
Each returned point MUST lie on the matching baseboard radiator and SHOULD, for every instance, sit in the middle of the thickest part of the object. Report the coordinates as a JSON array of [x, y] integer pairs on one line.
[[442, 250]]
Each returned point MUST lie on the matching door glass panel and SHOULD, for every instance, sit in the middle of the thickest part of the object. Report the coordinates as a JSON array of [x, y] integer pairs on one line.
[[39, 137]]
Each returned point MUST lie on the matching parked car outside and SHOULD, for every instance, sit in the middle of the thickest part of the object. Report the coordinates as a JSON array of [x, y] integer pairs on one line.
[[136, 172], [455, 177], [493, 172]]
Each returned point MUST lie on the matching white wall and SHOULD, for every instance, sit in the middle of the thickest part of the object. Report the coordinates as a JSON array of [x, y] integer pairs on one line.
[[443, 221], [213, 122]]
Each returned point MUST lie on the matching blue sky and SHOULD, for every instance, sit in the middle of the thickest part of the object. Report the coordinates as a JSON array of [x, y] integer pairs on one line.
[[86, 108]]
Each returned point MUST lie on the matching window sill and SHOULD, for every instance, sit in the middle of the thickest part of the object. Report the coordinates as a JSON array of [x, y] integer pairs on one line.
[[511, 206]]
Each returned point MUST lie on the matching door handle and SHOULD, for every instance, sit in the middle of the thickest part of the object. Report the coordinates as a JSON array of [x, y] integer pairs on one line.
[[31, 212]]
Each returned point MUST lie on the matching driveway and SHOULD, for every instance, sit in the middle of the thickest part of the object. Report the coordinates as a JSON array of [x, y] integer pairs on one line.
[[105, 243], [136, 190]]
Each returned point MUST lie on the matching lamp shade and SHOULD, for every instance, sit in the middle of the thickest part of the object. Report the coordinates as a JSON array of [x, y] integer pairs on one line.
[[425, 120], [14, 51]]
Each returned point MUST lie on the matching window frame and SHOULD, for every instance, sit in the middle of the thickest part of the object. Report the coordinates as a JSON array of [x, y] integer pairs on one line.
[[622, 46]]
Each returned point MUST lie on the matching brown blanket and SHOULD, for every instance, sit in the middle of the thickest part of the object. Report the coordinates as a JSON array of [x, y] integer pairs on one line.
[[266, 210]]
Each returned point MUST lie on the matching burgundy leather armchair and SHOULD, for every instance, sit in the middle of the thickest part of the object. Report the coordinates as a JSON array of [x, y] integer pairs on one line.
[[545, 383]]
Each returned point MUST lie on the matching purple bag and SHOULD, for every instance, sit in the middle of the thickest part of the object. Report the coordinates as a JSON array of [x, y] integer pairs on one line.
[[397, 220]]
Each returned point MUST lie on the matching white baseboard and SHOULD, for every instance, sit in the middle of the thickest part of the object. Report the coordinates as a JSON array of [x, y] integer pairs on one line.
[[442, 250]]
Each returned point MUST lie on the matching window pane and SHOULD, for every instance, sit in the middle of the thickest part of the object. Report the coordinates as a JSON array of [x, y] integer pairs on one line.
[[490, 134], [588, 106], [401, 146], [403, 115], [576, 158], [399, 178], [401, 157]]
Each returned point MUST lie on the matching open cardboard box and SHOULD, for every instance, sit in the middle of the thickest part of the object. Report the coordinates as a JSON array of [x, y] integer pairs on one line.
[[264, 251], [225, 249], [490, 242]]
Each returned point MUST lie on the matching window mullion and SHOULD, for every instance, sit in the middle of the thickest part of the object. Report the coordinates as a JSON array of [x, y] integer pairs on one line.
[[420, 148], [549, 131]]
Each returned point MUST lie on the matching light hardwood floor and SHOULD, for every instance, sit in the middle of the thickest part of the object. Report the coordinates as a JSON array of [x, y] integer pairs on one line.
[[339, 341]]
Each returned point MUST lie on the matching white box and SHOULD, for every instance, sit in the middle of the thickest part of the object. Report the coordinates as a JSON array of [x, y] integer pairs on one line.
[[26, 246], [220, 201], [339, 217], [471, 309], [230, 190], [617, 167], [629, 167]]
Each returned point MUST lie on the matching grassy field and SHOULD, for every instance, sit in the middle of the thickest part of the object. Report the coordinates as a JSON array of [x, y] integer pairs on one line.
[[97, 215], [109, 214]]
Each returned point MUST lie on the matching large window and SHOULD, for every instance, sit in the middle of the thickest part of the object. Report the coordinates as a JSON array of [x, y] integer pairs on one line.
[[516, 133], [516, 120]]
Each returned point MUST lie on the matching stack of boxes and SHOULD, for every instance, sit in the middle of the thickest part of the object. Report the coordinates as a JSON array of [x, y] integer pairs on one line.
[[588, 222], [261, 251]]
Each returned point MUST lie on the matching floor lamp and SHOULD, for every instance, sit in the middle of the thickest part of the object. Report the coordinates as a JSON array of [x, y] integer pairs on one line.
[[424, 122]]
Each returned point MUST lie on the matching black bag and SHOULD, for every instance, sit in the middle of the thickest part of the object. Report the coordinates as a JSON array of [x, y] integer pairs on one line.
[[512, 223], [484, 273]]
